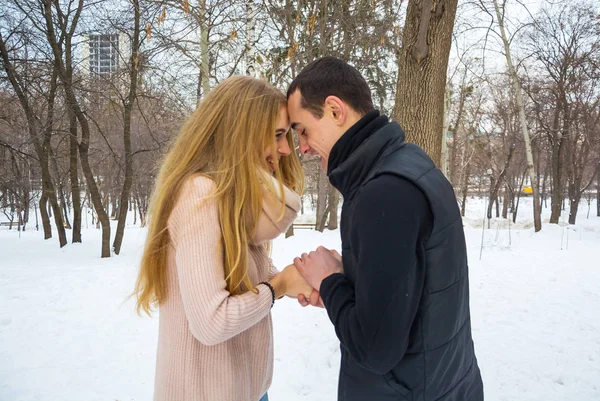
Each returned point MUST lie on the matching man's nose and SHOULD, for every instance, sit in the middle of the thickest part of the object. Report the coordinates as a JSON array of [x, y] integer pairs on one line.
[[303, 146]]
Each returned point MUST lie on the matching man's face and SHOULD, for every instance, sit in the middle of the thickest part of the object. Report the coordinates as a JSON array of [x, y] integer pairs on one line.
[[316, 136]]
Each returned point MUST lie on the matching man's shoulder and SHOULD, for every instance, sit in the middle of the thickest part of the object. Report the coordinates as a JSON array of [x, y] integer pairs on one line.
[[391, 186]]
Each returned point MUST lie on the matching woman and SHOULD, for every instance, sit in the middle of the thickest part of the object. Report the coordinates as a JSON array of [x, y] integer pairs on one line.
[[228, 186]]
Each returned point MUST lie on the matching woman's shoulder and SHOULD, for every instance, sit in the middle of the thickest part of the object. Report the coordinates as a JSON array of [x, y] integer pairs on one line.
[[194, 201], [196, 187], [195, 190]]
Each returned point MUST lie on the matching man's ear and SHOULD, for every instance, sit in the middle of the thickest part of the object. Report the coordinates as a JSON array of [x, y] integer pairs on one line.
[[337, 109]]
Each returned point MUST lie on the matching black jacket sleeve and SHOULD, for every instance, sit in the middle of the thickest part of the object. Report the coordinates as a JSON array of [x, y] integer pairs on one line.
[[373, 317]]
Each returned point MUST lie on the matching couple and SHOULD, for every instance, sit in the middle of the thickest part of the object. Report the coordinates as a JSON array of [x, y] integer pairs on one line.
[[398, 296]]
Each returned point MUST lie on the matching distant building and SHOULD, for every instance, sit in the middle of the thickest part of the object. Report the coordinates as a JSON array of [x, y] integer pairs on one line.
[[104, 54]]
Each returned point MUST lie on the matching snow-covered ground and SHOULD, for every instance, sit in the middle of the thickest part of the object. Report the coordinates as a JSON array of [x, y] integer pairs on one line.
[[68, 332]]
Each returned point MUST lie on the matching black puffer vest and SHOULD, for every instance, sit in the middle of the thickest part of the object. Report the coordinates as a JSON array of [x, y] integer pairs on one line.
[[440, 362]]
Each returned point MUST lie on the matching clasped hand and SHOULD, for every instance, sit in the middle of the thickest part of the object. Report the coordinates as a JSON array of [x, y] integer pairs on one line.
[[302, 280]]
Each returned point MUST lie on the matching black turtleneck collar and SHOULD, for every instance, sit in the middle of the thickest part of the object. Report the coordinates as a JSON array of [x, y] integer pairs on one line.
[[354, 154], [354, 137]]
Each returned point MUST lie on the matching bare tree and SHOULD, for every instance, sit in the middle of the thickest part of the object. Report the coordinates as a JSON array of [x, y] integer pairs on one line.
[[61, 47], [127, 117], [40, 131], [561, 40], [537, 218], [422, 67]]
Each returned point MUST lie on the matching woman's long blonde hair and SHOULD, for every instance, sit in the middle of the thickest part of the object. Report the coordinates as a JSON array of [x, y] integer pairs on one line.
[[224, 139]]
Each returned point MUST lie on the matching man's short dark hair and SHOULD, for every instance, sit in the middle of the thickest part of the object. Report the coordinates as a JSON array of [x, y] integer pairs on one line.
[[329, 76]]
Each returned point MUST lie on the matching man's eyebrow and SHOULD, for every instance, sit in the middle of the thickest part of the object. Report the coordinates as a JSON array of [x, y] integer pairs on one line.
[[295, 126]]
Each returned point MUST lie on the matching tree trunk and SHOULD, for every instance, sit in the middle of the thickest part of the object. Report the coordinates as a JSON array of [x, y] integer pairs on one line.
[[543, 194], [444, 167], [205, 58], [507, 200], [465, 190], [112, 205], [334, 201], [141, 206], [537, 218], [516, 205], [497, 206], [493, 194], [134, 210], [250, 39], [45, 217], [59, 187], [74, 178], [37, 224], [63, 205], [93, 188], [322, 190], [461, 106], [25, 214], [422, 66], [574, 206], [598, 195], [125, 193], [556, 198]]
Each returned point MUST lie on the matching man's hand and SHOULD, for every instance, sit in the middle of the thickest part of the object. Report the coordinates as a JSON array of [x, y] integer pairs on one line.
[[318, 265], [314, 299]]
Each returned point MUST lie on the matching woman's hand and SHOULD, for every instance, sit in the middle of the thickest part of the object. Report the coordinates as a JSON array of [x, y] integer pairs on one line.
[[289, 282], [295, 283]]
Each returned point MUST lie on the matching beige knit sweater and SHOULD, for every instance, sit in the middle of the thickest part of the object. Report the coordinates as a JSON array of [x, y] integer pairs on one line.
[[213, 346]]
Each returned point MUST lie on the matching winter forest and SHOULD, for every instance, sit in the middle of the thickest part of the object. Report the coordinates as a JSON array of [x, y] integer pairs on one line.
[[504, 95]]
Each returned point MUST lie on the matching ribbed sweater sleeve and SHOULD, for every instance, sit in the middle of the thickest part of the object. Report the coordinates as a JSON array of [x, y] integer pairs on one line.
[[213, 314], [272, 269]]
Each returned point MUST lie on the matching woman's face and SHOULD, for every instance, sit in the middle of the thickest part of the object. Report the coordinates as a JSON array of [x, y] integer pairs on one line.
[[280, 148]]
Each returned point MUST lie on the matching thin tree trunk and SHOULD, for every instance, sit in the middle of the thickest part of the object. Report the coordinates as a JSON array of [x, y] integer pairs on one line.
[[465, 190], [423, 63], [507, 201], [334, 200], [250, 39], [461, 106], [125, 193], [516, 206], [141, 209], [322, 191], [205, 58], [598, 195], [37, 223], [493, 194], [574, 206], [543, 194], [45, 218], [497, 207], [61, 192], [444, 167], [537, 219], [556, 198], [134, 204], [74, 178]]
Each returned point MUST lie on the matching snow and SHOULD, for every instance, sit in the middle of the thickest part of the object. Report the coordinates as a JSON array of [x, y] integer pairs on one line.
[[68, 331]]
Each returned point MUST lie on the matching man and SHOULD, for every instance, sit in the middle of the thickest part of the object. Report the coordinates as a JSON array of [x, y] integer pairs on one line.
[[399, 296]]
